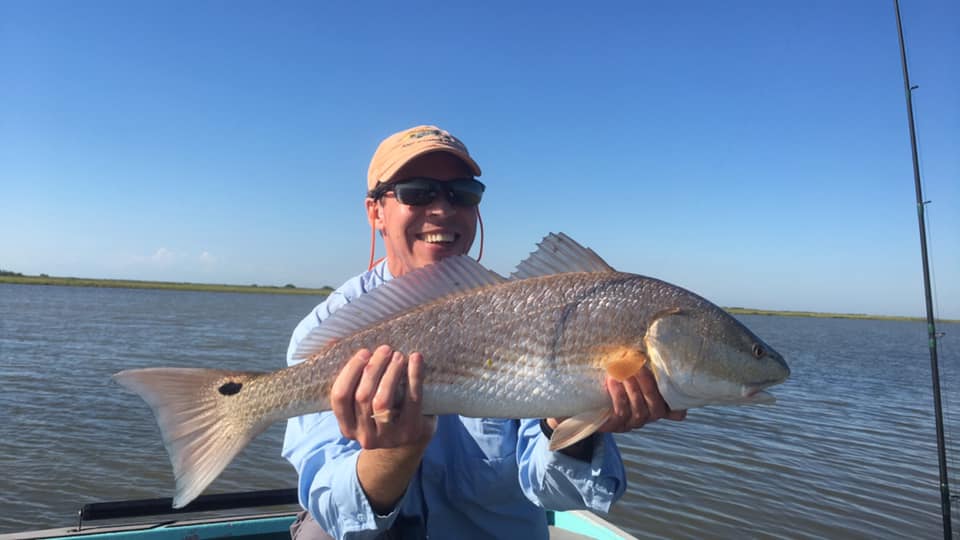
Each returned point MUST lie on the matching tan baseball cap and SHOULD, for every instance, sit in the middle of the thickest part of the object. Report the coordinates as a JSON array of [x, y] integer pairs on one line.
[[398, 149]]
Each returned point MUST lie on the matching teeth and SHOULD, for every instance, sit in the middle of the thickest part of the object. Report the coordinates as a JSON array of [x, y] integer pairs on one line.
[[439, 238]]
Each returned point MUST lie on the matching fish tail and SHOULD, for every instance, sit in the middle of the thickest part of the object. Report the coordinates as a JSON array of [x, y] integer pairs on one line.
[[202, 417]]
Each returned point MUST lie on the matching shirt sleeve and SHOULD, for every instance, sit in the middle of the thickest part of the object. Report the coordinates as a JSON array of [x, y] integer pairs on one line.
[[328, 486], [325, 461], [556, 481]]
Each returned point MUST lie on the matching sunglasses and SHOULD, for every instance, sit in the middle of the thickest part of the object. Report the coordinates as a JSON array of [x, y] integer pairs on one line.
[[465, 192]]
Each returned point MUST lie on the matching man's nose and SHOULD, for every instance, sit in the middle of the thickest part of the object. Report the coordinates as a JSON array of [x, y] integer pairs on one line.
[[441, 205]]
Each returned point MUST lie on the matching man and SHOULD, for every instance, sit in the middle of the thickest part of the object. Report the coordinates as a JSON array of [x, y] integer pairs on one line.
[[451, 476]]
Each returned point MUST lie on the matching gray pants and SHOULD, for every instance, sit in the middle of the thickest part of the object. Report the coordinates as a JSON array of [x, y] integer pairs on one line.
[[404, 528], [307, 528]]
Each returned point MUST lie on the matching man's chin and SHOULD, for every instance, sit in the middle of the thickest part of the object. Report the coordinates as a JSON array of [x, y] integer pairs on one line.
[[433, 252]]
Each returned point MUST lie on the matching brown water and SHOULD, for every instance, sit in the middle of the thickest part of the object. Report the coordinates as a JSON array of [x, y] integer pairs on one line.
[[847, 452]]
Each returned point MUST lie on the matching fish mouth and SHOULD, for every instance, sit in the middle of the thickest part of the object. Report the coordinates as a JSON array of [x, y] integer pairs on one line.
[[760, 385], [439, 237], [755, 392]]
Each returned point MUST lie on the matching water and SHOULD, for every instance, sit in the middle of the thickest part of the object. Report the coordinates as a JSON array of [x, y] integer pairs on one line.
[[848, 451]]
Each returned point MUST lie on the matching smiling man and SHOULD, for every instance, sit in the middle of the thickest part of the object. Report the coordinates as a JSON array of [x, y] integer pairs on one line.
[[422, 197], [409, 476]]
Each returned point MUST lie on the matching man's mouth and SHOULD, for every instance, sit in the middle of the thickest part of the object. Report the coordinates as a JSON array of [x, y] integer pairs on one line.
[[438, 237]]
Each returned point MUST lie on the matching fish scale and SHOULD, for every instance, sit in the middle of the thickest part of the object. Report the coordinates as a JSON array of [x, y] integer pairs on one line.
[[536, 346]]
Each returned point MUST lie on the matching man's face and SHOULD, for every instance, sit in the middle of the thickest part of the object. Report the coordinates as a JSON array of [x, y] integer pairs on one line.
[[416, 236]]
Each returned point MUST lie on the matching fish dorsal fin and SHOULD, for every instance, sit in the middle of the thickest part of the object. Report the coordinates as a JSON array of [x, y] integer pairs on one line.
[[557, 253], [421, 286]]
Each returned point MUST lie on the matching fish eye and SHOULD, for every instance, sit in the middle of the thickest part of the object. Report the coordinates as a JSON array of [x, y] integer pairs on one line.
[[758, 351]]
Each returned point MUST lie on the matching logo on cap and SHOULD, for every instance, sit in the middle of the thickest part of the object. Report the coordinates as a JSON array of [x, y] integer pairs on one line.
[[439, 135]]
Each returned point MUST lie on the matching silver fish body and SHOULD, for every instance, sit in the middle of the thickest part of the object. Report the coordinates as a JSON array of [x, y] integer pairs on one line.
[[538, 345]]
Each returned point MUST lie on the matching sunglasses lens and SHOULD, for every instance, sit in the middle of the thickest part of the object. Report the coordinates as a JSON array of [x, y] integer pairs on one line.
[[465, 192], [415, 192], [422, 191]]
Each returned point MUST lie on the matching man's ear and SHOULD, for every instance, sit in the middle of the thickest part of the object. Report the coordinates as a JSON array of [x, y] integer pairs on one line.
[[374, 213]]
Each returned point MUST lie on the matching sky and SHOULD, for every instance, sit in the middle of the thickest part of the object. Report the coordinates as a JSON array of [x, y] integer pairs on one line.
[[757, 153]]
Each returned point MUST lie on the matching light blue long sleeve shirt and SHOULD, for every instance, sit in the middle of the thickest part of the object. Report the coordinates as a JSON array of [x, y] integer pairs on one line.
[[479, 478]]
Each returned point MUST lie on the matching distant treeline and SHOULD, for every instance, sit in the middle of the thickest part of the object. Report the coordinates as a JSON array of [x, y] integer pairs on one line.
[[750, 311], [43, 279], [7, 276]]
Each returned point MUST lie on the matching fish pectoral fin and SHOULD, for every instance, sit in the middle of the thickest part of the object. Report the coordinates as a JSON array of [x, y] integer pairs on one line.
[[623, 362], [579, 427]]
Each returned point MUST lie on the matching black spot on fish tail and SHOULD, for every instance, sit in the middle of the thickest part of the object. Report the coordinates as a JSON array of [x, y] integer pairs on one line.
[[230, 388]]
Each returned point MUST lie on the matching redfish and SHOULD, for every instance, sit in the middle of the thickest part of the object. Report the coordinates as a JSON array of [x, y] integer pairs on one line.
[[539, 344]]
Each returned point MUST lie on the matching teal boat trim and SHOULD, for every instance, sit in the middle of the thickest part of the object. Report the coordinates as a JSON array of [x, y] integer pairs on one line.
[[170, 524]]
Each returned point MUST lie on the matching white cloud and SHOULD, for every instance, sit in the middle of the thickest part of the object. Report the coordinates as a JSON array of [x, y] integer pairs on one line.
[[161, 257], [176, 264]]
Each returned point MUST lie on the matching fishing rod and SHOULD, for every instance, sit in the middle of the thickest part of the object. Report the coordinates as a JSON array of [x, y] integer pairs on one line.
[[931, 324]]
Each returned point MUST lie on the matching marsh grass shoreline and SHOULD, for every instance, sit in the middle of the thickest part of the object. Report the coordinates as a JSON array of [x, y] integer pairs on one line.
[[290, 289], [165, 285], [819, 315]]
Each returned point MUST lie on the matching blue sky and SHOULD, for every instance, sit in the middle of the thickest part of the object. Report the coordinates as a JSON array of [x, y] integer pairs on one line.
[[754, 152]]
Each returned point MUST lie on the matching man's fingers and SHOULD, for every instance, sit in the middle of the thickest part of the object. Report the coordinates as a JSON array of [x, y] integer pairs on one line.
[[366, 433], [372, 374], [618, 395], [413, 404], [637, 402], [621, 407], [389, 392], [676, 415], [640, 409], [415, 380], [344, 389], [656, 408]]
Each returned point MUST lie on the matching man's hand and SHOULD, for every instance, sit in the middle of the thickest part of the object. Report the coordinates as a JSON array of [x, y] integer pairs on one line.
[[384, 383], [389, 386], [636, 402]]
